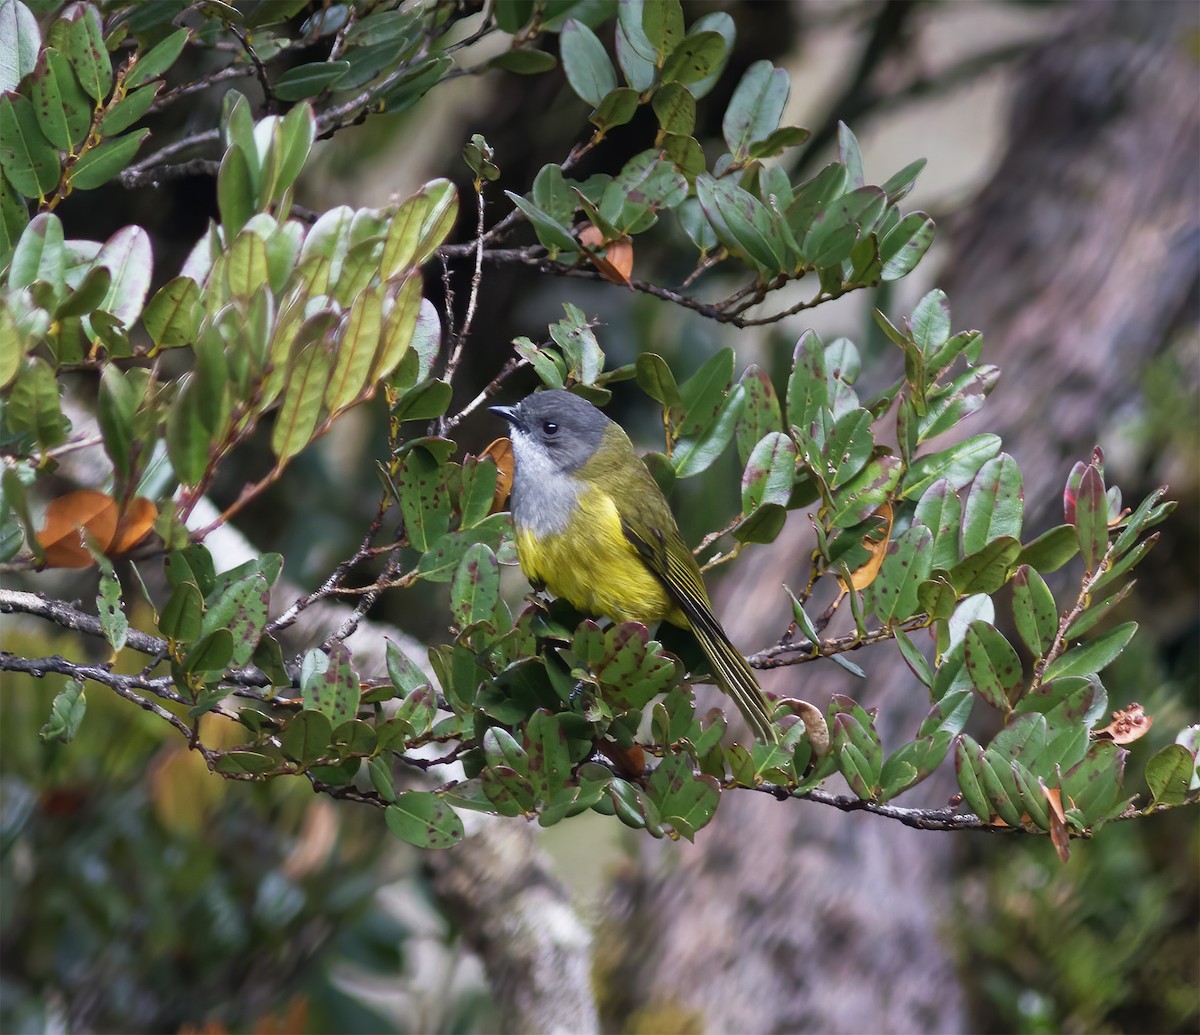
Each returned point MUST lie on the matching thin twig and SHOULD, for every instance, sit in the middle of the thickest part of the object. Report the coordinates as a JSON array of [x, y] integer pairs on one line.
[[459, 336], [493, 386], [259, 67]]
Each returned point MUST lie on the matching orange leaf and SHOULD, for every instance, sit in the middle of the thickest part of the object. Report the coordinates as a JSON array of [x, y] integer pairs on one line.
[[68, 519], [616, 263], [630, 761], [864, 575], [135, 524], [502, 455], [1129, 724]]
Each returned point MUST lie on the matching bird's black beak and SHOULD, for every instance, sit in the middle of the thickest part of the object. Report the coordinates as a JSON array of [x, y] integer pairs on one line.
[[509, 413]]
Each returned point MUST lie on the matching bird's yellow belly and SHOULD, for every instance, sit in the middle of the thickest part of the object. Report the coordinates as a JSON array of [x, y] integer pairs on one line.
[[595, 568]]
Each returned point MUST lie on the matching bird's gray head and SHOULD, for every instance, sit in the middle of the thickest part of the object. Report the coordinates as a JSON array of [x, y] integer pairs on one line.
[[553, 430]]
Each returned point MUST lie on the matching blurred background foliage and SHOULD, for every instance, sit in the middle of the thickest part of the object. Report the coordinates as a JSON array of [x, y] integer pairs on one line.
[[141, 893]]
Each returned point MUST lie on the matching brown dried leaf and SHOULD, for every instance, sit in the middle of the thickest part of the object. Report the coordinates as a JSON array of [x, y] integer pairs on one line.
[[502, 455], [134, 525], [1129, 724], [72, 517], [863, 576], [630, 762], [616, 263]]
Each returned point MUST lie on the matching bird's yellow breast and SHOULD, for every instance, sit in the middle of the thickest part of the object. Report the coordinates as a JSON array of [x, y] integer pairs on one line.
[[594, 567]]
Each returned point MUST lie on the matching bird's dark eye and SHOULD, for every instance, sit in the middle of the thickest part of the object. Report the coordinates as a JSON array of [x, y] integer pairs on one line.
[[549, 427]]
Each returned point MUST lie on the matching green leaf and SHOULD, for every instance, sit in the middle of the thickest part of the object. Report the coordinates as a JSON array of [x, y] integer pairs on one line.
[[310, 79], [769, 472], [838, 226], [88, 55], [694, 58], [329, 684], [905, 245], [128, 110], [423, 819], [28, 160], [293, 140], [1051, 550], [957, 464], [697, 453], [129, 258], [211, 653], [70, 703], [952, 404], [236, 191], [108, 606], [103, 162], [19, 42], [475, 590], [246, 269], [380, 770], [859, 754], [172, 316], [779, 141], [61, 121], [846, 449], [1093, 656], [306, 737], [662, 24], [686, 800], [182, 614], [675, 109], [1034, 610], [930, 322], [1169, 774], [909, 559], [117, 405], [654, 377], [33, 405], [704, 393], [552, 233], [995, 506], [424, 499], [993, 665], [742, 223], [586, 63], [158, 59], [1094, 784], [301, 407], [859, 498], [721, 23], [987, 570], [242, 609], [404, 673], [756, 107], [940, 510], [356, 348], [849, 155], [39, 255], [188, 440], [616, 109], [761, 413], [524, 60]]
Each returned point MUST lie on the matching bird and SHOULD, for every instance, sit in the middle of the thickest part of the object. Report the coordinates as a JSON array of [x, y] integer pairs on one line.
[[593, 527]]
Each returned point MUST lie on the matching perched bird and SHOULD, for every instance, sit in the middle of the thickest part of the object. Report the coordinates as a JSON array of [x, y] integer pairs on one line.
[[594, 528]]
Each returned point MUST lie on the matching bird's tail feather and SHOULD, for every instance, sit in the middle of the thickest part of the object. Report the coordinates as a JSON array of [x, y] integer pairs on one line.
[[737, 679]]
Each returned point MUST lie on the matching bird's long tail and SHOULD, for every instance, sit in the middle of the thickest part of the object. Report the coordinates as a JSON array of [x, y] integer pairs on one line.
[[735, 675]]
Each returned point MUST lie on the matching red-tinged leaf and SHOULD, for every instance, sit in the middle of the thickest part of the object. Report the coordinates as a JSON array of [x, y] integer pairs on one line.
[[1091, 517], [1129, 724]]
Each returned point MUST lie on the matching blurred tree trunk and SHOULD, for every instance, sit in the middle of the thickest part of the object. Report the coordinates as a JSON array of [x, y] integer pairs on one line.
[[1079, 263]]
